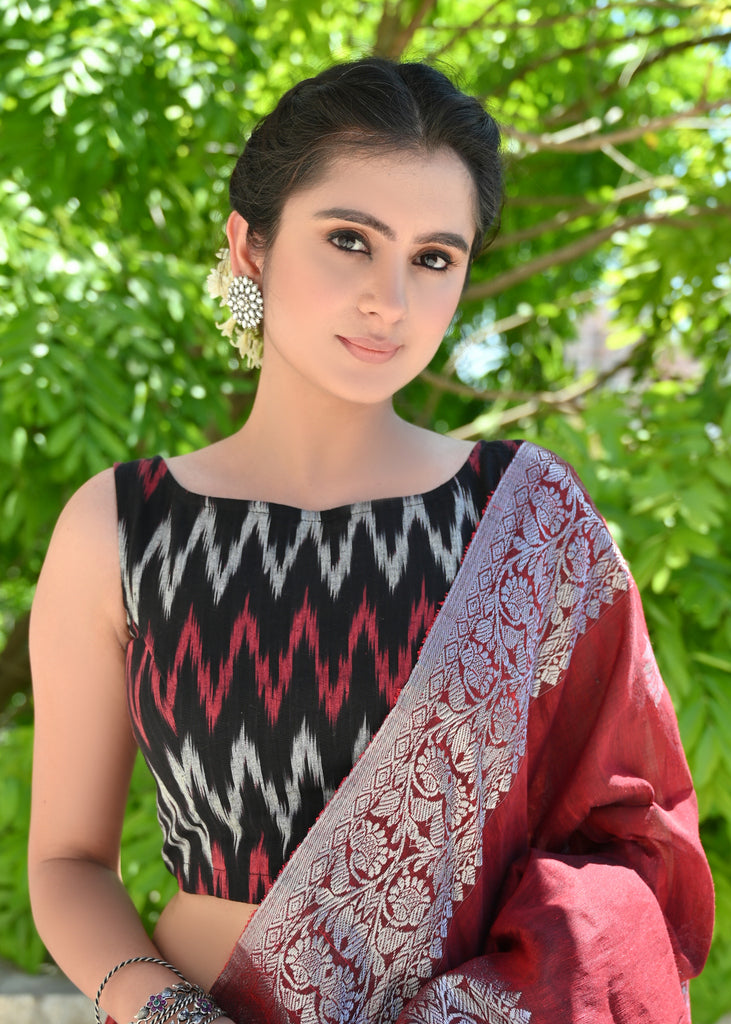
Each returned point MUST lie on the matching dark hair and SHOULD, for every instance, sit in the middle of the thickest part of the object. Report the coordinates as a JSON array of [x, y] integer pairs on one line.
[[363, 104]]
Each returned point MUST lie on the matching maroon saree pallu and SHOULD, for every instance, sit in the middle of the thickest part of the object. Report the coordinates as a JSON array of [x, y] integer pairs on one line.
[[519, 841]]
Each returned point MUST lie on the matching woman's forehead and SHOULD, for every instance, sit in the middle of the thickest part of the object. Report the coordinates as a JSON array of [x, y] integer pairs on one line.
[[404, 184]]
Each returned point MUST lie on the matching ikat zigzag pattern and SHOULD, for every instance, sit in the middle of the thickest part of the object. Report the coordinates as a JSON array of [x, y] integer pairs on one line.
[[267, 646], [221, 563]]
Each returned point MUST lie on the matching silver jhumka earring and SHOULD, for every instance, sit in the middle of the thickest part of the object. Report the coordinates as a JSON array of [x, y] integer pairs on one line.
[[245, 301], [243, 296]]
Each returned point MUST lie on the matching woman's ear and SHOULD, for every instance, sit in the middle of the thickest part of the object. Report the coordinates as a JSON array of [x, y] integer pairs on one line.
[[243, 260]]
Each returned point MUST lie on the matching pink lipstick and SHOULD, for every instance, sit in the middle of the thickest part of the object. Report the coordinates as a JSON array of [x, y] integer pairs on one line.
[[369, 350]]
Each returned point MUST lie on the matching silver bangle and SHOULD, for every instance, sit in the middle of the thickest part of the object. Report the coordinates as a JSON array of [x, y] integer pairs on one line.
[[189, 1004], [126, 963], [157, 1009]]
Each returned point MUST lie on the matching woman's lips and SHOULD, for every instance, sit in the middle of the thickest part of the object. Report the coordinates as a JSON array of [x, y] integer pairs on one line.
[[368, 350]]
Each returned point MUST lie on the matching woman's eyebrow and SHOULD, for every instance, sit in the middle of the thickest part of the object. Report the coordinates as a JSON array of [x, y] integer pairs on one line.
[[368, 220], [358, 217], [445, 238]]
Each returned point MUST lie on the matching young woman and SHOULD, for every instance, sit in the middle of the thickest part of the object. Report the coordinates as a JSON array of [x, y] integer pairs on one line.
[[450, 783]]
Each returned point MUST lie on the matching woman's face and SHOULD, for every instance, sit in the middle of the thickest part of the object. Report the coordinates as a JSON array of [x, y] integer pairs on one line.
[[366, 271]]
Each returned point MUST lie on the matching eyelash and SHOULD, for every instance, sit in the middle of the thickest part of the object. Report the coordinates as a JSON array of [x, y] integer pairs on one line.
[[335, 237]]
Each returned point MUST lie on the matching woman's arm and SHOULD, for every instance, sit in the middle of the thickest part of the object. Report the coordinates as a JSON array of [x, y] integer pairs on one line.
[[83, 756]]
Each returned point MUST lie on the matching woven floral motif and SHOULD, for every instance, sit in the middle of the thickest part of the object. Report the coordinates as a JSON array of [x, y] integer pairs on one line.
[[375, 885], [450, 1001]]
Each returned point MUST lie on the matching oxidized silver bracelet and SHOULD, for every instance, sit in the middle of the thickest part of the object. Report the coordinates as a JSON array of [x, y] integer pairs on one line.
[[186, 1003], [126, 963], [190, 1003]]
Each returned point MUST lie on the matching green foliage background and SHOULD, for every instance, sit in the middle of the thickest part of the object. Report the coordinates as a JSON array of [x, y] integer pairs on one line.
[[120, 122]]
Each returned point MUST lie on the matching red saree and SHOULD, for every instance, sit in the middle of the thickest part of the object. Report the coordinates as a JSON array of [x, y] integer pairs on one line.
[[519, 842]]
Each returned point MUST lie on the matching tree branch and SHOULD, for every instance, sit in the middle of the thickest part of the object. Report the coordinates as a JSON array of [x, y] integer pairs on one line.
[[392, 36], [525, 200], [564, 254], [623, 161], [584, 14], [405, 37], [573, 112], [567, 141], [509, 323], [456, 387], [684, 44], [464, 30], [388, 26], [594, 44], [582, 245], [565, 400], [580, 209]]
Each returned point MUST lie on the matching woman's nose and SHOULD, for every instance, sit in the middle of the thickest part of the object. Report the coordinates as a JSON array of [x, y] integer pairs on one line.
[[384, 294]]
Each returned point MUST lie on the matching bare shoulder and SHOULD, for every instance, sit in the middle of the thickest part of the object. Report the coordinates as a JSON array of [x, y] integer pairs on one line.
[[82, 562], [93, 506], [452, 449], [86, 531], [218, 469], [434, 457]]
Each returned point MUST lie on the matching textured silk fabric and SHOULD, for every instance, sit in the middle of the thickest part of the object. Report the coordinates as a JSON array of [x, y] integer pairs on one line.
[[519, 841], [267, 645]]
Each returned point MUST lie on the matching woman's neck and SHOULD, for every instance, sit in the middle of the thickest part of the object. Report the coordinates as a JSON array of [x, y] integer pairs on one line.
[[310, 449], [324, 454]]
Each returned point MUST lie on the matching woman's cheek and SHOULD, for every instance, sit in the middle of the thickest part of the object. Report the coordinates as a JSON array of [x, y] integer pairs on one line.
[[443, 305]]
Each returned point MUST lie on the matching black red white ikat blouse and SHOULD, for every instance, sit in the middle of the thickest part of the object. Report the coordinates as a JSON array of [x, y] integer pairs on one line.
[[267, 645]]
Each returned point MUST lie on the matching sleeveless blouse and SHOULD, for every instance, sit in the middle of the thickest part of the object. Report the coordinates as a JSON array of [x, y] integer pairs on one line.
[[267, 645]]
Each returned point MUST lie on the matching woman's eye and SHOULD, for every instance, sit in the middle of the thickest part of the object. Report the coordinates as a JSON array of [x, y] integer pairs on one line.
[[435, 260], [350, 241]]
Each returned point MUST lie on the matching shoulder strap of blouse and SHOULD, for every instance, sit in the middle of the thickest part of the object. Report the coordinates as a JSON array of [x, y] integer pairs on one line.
[[141, 505]]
